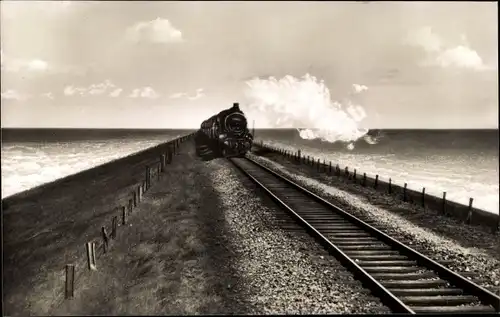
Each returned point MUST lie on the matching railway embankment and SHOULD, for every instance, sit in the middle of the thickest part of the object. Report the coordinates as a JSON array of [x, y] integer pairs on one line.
[[473, 251], [47, 229]]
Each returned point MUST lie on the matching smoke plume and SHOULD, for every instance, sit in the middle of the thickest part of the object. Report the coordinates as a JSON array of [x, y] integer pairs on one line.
[[305, 104]]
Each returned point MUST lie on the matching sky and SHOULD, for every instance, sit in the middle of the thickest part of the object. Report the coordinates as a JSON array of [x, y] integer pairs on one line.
[[140, 64]]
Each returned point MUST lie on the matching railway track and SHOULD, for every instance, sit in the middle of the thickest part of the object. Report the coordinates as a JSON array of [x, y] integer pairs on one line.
[[404, 279]]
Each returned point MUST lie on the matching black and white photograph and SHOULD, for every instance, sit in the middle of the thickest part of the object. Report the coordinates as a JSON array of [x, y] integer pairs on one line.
[[249, 157]]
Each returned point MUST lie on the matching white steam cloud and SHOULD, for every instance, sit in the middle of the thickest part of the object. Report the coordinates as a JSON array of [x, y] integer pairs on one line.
[[305, 102]]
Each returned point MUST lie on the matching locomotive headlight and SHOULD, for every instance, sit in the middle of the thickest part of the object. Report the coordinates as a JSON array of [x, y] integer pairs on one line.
[[222, 136]]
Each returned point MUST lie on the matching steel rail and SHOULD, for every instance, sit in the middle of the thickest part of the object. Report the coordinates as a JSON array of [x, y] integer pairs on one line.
[[392, 301]]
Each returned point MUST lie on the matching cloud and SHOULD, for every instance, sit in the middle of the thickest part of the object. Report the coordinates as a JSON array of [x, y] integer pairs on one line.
[[37, 65], [48, 95], [116, 93], [11, 94], [424, 38], [177, 95], [460, 56], [145, 92], [438, 54], [155, 31], [199, 93], [99, 89], [71, 90], [359, 88], [92, 90], [16, 65]]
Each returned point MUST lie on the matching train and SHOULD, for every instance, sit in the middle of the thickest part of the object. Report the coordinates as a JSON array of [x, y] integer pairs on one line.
[[225, 134]]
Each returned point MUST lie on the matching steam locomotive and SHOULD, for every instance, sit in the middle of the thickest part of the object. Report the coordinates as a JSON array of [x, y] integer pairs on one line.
[[225, 134]]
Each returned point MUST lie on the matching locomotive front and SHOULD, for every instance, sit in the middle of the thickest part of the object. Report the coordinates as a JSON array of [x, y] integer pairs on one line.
[[235, 138]]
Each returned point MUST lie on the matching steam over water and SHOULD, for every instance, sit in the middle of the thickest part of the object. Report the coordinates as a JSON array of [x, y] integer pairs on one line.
[[306, 102]]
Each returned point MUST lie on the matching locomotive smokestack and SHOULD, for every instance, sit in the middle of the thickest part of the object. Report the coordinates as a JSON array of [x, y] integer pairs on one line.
[[236, 106]]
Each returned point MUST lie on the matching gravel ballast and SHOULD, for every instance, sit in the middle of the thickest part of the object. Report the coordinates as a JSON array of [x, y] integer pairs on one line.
[[476, 263], [284, 273]]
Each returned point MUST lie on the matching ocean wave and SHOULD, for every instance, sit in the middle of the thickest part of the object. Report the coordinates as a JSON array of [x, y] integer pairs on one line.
[[454, 174], [30, 165]]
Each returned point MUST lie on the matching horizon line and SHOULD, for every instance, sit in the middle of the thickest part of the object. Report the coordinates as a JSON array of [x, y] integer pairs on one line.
[[191, 128]]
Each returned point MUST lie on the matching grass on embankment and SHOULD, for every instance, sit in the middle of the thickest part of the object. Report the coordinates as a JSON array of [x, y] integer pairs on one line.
[[47, 227], [172, 258]]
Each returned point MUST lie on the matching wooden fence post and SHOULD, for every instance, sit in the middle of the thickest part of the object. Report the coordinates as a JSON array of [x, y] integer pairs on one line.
[[376, 181], [444, 204], [390, 186], [364, 179], [346, 172], [91, 262], [148, 178], [299, 156], [124, 215], [158, 169], [318, 165], [469, 214], [404, 192], [163, 161], [105, 239], [354, 175], [330, 168], [423, 197], [130, 205], [69, 291], [114, 227], [139, 193]]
